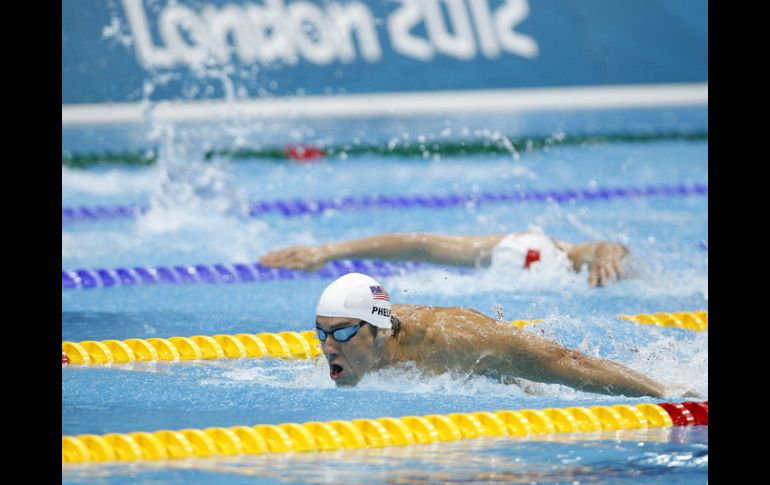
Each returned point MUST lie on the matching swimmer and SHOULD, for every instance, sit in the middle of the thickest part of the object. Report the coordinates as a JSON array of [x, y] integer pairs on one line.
[[531, 250], [360, 332]]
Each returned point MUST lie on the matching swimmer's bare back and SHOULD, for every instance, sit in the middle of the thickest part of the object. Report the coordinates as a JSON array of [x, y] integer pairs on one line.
[[456, 339]]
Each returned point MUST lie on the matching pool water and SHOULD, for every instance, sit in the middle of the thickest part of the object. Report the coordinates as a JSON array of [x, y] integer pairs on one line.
[[198, 214]]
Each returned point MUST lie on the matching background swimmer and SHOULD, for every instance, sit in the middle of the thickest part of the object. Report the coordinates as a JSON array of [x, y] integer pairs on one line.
[[526, 250], [361, 332]]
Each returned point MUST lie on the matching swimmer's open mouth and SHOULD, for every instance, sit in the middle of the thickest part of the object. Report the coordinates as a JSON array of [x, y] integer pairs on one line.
[[334, 371]]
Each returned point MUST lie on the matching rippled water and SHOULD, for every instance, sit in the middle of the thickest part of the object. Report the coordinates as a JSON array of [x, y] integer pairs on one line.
[[195, 217]]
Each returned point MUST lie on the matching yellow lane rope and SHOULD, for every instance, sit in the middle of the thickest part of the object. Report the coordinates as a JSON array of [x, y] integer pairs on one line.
[[358, 433], [698, 321], [289, 345]]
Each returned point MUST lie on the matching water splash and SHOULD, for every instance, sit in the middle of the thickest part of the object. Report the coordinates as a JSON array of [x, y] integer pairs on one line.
[[681, 365], [648, 275], [189, 189], [432, 282], [644, 278], [516, 169]]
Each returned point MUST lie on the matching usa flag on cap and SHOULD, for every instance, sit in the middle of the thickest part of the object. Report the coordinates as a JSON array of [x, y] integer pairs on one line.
[[379, 293]]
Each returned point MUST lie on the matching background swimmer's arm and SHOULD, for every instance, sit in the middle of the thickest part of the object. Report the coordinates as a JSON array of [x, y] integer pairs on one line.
[[539, 359], [431, 248], [602, 257]]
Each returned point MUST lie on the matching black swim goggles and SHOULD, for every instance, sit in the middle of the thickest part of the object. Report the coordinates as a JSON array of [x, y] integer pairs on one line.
[[342, 334]]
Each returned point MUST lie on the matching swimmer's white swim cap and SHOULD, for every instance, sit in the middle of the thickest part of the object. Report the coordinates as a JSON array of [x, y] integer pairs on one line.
[[356, 295], [531, 250]]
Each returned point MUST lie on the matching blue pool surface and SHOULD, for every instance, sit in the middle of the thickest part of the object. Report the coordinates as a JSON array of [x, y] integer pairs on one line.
[[196, 216]]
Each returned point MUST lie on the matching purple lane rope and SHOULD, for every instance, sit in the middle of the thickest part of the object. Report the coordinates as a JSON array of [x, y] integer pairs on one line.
[[231, 273], [299, 207]]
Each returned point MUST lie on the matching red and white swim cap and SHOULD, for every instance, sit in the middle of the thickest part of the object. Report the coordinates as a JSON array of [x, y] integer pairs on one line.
[[532, 250]]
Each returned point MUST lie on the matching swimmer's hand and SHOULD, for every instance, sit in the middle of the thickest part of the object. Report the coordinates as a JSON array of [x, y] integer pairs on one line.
[[307, 258], [603, 260]]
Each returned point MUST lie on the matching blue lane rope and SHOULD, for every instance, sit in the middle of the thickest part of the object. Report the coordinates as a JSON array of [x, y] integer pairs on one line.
[[299, 207], [704, 245], [232, 273]]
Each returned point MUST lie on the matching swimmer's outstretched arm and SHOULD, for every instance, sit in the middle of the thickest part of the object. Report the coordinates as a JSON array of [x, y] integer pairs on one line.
[[593, 374], [602, 257], [474, 342], [545, 361], [430, 248]]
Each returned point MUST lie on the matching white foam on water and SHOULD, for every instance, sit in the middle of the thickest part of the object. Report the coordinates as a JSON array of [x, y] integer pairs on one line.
[[650, 280], [286, 375], [220, 238], [197, 212], [114, 182], [681, 365], [404, 378], [485, 280], [649, 277], [196, 208], [199, 188], [408, 378]]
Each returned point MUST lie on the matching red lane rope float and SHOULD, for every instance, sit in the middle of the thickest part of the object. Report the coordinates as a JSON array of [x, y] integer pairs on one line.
[[688, 413], [304, 154], [699, 411], [375, 433]]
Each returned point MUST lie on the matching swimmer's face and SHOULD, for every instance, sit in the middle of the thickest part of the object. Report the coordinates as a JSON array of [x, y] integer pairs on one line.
[[349, 360]]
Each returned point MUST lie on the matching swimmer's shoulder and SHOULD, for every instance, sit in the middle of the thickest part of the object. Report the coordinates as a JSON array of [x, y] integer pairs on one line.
[[428, 323], [409, 311], [416, 322], [402, 308], [426, 314]]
